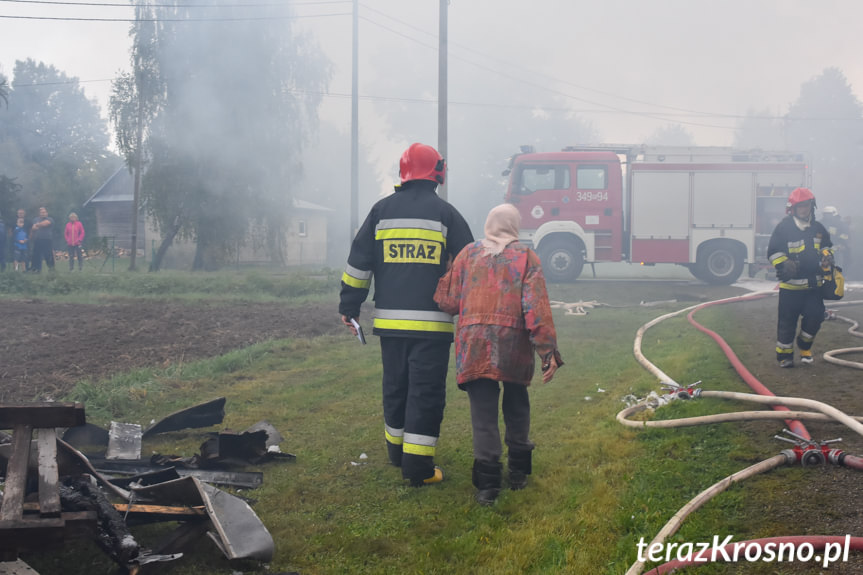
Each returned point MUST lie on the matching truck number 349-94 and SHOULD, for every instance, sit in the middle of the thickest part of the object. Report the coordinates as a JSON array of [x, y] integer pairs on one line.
[[595, 196]]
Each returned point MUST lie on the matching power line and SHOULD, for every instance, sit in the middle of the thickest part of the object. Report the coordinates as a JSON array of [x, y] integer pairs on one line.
[[127, 5], [654, 116], [133, 20], [566, 82], [465, 103]]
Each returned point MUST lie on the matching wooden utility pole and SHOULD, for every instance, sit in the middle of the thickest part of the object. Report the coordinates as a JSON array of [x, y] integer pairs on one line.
[[355, 144], [139, 154], [442, 90]]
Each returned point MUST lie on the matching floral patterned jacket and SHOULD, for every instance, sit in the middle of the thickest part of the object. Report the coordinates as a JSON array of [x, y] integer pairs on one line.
[[504, 313]]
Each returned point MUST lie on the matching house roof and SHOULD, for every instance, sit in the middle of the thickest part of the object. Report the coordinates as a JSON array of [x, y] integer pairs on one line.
[[305, 205], [118, 188]]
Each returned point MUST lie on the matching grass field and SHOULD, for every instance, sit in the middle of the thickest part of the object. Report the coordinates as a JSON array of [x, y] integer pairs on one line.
[[597, 487]]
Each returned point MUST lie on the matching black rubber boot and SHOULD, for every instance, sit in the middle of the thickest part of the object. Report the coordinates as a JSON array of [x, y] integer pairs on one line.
[[486, 478], [520, 466]]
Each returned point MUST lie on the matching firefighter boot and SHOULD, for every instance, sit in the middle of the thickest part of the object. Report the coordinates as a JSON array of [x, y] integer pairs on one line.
[[806, 356], [486, 479], [520, 466]]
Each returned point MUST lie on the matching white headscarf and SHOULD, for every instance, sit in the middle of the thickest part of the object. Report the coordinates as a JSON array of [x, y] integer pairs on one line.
[[501, 228]]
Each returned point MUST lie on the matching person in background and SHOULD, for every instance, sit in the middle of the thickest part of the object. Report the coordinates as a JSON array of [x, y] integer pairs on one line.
[[41, 234], [798, 248], [20, 243], [497, 288], [74, 238], [22, 215], [406, 242]]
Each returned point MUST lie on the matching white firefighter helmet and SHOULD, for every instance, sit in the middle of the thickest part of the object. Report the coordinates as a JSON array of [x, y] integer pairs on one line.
[[830, 210]]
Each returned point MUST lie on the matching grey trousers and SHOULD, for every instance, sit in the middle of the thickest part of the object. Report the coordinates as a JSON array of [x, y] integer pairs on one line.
[[484, 394]]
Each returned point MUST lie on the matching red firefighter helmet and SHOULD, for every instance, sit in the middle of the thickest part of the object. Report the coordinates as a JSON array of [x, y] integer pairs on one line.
[[422, 162], [798, 196]]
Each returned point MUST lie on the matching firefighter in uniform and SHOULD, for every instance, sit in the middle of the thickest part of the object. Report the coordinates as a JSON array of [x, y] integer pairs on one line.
[[799, 247], [407, 242]]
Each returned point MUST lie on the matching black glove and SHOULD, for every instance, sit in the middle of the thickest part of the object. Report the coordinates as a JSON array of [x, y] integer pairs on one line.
[[827, 260], [786, 270]]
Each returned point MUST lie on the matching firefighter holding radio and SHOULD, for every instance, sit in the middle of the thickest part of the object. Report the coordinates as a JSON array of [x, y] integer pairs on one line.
[[800, 250]]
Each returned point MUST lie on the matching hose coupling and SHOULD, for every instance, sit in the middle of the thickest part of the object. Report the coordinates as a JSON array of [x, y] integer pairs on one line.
[[835, 456], [680, 392], [808, 452]]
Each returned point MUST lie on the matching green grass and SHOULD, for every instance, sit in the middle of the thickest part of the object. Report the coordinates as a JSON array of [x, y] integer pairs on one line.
[[597, 487], [93, 286]]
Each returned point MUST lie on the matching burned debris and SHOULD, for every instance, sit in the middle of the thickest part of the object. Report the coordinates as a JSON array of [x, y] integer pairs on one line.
[[53, 492]]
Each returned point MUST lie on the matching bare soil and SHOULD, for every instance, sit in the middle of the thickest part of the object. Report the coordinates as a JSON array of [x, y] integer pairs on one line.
[[45, 347]]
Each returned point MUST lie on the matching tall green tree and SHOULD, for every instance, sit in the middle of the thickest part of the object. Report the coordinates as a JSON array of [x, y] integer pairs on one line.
[[826, 121], [234, 106], [53, 141]]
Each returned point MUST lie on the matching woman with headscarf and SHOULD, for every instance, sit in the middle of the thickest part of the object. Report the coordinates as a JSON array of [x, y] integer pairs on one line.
[[496, 287]]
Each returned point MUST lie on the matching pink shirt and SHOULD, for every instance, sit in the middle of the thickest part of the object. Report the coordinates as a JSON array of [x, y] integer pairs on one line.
[[74, 233]]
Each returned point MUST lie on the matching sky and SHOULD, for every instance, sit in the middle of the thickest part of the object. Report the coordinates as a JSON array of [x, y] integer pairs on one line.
[[628, 67]]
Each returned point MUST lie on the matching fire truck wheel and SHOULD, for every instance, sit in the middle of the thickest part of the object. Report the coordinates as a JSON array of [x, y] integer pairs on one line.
[[719, 265], [562, 260]]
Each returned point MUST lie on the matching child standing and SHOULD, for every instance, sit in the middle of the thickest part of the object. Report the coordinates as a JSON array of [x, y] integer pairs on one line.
[[20, 244], [74, 238]]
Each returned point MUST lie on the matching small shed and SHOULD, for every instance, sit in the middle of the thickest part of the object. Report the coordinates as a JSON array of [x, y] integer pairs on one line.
[[112, 204]]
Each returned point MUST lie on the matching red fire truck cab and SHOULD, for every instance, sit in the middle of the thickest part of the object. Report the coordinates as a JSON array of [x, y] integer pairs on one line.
[[709, 209]]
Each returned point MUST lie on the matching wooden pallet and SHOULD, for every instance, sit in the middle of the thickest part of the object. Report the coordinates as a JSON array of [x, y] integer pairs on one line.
[[22, 530]]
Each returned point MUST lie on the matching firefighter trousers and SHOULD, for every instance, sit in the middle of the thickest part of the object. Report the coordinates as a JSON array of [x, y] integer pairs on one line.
[[414, 396], [806, 305]]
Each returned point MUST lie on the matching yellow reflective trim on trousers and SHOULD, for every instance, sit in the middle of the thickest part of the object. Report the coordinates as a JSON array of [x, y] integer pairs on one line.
[[411, 325], [410, 233], [393, 439], [415, 449], [354, 282], [784, 350]]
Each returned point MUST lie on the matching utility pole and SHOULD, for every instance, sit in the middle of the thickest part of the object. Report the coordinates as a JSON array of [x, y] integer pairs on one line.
[[355, 144], [441, 90], [139, 153]]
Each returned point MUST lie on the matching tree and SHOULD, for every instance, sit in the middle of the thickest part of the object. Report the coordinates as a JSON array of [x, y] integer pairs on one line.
[[53, 141], [4, 90], [9, 190], [228, 122], [671, 135], [760, 130], [826, 121]]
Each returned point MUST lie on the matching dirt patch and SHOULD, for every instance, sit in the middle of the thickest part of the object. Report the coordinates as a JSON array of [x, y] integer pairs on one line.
[[45, 348]]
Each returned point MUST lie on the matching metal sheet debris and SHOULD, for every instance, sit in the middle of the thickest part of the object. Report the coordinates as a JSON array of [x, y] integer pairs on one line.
[[202, 415], [239, 532]]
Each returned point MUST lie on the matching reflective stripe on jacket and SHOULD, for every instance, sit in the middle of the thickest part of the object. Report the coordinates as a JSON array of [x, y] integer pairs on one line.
[[403, 247], [788, 242]]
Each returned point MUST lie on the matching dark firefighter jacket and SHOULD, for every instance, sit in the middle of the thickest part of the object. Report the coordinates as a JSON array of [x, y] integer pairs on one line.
[[804, 247], [404, 243]]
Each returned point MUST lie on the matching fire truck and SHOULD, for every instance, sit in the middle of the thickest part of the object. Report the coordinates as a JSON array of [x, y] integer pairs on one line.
[[710, 209]]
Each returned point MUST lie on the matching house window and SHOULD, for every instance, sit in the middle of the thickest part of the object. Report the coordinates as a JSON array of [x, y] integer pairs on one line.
[[301, 228]]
